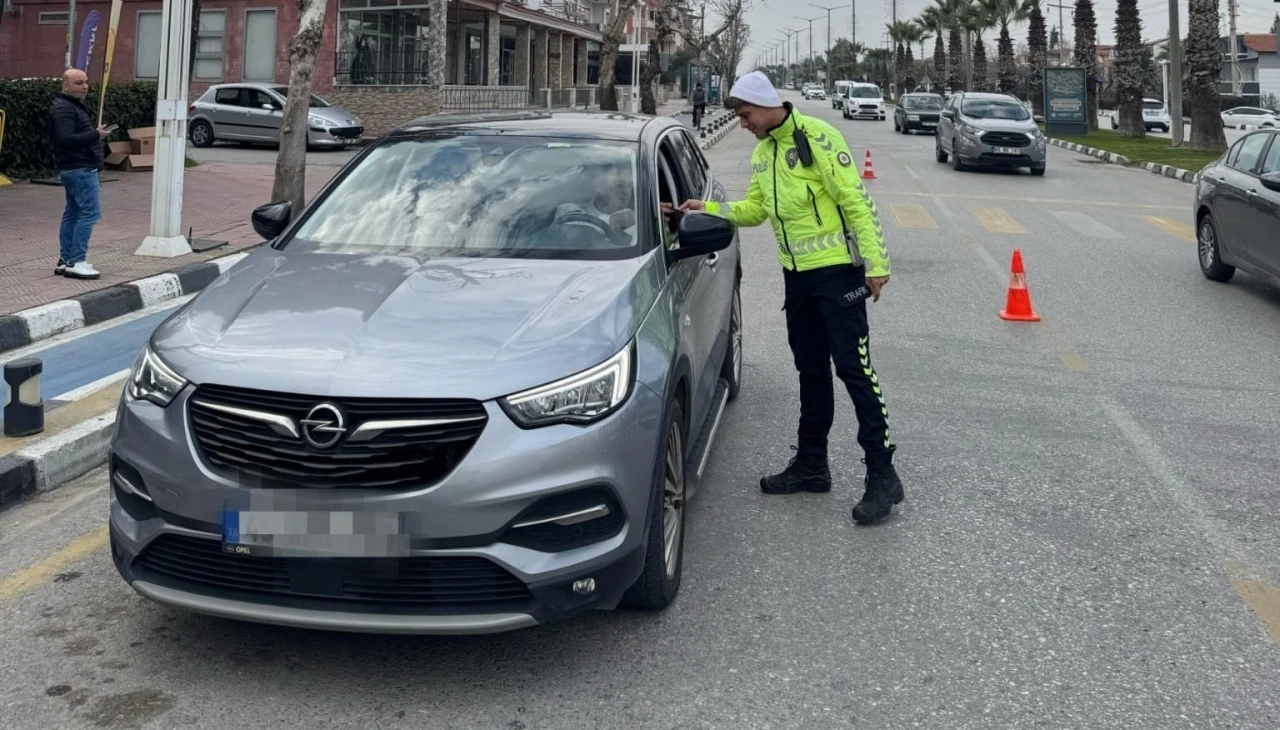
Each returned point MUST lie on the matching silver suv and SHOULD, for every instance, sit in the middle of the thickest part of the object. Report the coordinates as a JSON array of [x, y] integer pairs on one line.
[[468, 389], [989, 130]]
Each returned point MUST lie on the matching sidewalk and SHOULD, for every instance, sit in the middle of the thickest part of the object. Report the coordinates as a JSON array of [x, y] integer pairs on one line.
[[218, 198]]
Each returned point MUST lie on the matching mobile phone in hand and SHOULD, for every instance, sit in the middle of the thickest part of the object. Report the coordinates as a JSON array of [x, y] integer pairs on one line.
[[113, 127]]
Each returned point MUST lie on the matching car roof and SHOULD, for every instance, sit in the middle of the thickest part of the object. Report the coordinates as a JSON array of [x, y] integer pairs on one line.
[[922, 93], [616, 126], [988, 95]]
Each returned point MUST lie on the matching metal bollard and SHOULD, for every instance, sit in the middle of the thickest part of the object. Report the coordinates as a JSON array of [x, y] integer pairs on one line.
[[23, 408]]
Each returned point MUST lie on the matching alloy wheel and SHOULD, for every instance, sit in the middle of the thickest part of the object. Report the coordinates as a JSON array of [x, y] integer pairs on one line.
[[735, 334], [673, 502], [1206, 244]]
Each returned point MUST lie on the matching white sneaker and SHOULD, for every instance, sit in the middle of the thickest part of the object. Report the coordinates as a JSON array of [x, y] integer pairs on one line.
[[81, 270]]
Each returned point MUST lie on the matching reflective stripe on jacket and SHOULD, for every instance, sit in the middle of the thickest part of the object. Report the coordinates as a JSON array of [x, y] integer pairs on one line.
[[822, 215]]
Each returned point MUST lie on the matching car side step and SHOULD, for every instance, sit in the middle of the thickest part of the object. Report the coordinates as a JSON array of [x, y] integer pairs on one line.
[[696, 461]]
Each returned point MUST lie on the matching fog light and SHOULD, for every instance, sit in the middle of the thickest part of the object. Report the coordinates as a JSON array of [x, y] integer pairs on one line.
[[585, 586], [23, 408]]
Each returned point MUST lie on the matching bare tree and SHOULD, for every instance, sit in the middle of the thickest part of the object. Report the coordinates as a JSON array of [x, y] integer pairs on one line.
[[291, 160], [664, 19], [609, 53]]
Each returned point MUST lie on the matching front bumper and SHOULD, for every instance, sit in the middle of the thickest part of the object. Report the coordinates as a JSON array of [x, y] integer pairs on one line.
[[978, 153], [858, 113], [334, 136], [923, 124], [169, 547]]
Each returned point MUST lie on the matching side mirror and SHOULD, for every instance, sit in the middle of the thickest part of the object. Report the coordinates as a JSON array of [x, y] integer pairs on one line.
[[701, 234], [1038, 118], [269, 107], [1271, 181], [270, 220]]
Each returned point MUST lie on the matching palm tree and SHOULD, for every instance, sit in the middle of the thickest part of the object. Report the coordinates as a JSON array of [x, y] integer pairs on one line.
[[1086, 54], [1204, 65], [953, 16], [1130, 58], [878, 61], [1006, 13], [913, 33], [898, 33], [1038, 44], [933, 19], [976, 21]]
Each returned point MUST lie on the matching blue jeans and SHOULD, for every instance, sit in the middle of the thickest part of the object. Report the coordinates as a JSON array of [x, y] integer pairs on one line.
[[82, 211]]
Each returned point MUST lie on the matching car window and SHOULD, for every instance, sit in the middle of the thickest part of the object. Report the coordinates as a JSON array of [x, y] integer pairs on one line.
[[1250, 150], [921, 102], [503, 196], [994, 109], [316, 102], [865, 92], [690, 166], [1272, 161], [230, 97], [1152, 105], [668, 192], [257, 98]]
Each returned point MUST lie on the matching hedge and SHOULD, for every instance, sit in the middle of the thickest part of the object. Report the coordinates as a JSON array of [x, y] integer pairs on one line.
[[26, 152]]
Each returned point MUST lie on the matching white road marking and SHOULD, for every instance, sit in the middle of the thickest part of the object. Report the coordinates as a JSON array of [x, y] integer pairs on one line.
[[911, 172]]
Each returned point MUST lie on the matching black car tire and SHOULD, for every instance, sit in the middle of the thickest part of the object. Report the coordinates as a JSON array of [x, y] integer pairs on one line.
[[956, 164], [201, 133], [1209, 253], [1038, 171], [896, 127], [938, 153], [732, 370], [653, 590]]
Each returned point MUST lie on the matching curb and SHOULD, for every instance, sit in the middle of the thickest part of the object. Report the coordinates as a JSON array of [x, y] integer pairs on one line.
[[1171, 172], [30, 326], [1110, 157], [50, 463]]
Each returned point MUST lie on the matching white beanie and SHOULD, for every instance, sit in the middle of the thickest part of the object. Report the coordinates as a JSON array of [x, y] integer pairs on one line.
[[755, 88]]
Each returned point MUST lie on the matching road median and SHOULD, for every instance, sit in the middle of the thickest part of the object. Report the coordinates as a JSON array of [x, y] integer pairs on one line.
[[1153, 154]]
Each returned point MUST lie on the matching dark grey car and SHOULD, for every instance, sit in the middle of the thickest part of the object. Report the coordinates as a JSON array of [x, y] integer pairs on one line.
[[989, 130], [1238, 210], [917, 111], [468, 389]]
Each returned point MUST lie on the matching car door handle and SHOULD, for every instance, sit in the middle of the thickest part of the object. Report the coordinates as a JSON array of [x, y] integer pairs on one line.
[[1253, 193], [711, 260]]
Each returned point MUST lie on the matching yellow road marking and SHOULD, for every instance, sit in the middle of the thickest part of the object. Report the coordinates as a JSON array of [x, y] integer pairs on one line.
[[1263, 599], [998, 221], [1074, 362], [1177, 230], [913, 216], [40, 571], [103, 400]]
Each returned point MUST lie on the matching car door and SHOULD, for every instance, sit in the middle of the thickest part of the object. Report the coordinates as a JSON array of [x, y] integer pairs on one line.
[[264, 115], [1237, 183], [695, 276], [1264, 217], [227, 113], [947, 122]]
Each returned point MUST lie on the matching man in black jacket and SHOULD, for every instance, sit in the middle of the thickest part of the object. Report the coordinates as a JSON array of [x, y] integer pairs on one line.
[[77, 149]]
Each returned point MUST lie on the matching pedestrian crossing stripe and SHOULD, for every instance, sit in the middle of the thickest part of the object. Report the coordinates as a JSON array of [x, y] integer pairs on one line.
[[998, 221], [913, 216]]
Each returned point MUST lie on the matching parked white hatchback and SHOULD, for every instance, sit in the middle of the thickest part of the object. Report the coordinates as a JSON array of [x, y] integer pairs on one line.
[[1154, 116]]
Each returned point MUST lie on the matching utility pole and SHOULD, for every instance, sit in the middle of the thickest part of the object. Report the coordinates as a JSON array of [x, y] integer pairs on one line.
[[1233, 7], [1175, 74], [823, 7], [1062, 30]]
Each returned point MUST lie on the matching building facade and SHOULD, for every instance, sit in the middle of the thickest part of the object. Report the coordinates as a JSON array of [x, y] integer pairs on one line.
[[378, 57]]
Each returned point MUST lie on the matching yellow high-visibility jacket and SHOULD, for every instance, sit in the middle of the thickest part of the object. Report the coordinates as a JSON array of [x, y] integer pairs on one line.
[[822, 215]]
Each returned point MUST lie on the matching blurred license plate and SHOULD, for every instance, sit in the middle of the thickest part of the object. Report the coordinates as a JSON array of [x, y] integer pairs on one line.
[[930, 124], [315, 534], [1006, 150]]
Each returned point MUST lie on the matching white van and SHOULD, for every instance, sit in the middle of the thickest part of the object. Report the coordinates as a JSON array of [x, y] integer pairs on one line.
[[864, 101], [838, 91]]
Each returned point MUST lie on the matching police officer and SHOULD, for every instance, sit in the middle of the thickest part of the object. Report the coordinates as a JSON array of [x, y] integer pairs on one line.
[[833, 258]]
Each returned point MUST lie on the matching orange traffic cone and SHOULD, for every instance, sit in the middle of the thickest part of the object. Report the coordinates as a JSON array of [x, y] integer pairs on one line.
[[1017, 306], [867, 172]]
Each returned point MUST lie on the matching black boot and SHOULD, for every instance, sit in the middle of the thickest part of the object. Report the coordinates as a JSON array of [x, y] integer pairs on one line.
[[883, 490], [807, 472]]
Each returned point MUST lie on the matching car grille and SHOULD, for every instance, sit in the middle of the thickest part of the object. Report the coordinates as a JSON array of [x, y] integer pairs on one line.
[[404, 583], [346, 131], [872, 107], [256, 455], [1006, 139]]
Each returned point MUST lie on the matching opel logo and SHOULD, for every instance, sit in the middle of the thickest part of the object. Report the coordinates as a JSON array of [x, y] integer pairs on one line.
[[324, 425]]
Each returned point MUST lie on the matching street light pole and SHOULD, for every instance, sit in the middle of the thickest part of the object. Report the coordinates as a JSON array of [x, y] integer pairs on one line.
[[810, 21], [823, 7]]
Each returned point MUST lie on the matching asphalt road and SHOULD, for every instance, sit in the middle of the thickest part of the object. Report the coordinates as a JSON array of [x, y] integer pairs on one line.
[[1090, 538]]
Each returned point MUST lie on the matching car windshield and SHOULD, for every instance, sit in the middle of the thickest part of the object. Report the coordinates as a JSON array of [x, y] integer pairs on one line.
[[864, 92], [1152, 105], [921, 102], [994, 109], [316, 102], [498, 196]]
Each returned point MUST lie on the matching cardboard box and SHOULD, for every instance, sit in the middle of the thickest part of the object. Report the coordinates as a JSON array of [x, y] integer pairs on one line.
[[119, 151], [143, 140], [134, 163], [138, 153]]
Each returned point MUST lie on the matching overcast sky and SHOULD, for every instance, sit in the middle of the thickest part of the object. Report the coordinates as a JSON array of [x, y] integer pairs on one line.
[[768, 18]]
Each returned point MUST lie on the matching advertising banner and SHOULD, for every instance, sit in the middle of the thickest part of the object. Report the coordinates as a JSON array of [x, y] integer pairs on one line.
[[1066, 105]]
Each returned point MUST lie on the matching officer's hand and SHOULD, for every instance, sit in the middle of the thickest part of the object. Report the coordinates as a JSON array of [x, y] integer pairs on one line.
[[877, 283], [692, 205], [102, 132]]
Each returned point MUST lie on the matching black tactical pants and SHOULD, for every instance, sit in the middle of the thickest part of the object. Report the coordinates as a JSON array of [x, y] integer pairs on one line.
[[827, 322]]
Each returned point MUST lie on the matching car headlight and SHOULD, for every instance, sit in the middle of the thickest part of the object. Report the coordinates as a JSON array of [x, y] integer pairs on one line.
[[319, 121], [581, 398], [971, 131], [913, 117], [153, 380]]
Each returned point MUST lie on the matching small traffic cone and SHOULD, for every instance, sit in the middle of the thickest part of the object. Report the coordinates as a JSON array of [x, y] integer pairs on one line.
[[867, 172], [1017, 306]]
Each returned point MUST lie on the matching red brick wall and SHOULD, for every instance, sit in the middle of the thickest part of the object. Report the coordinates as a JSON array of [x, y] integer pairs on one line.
[[30, 49]]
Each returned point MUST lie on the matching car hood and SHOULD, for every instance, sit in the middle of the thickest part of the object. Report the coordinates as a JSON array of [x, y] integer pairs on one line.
[[1002, 125], [335, 114], [378, 326]]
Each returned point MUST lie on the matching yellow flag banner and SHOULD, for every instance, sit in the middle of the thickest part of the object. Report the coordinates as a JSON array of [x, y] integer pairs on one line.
[[111, 52]]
